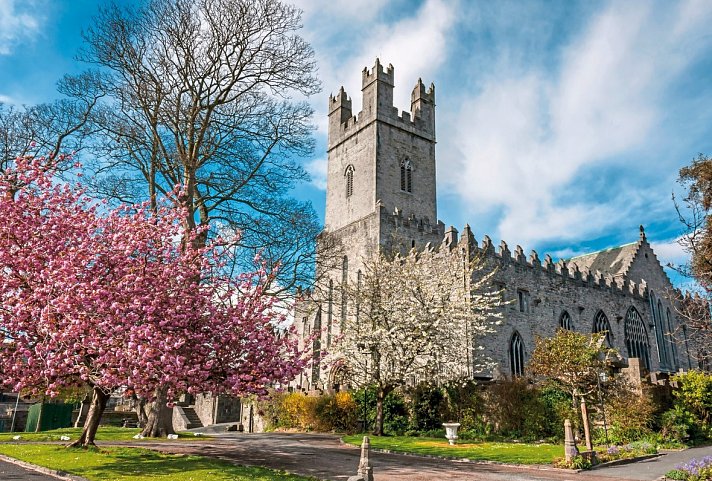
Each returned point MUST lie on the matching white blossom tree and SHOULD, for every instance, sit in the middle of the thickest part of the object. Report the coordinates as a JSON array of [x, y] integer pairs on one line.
[[415, 317]]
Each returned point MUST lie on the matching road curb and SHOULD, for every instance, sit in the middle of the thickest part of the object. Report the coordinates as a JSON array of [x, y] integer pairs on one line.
[[41, 469], [540, 467]]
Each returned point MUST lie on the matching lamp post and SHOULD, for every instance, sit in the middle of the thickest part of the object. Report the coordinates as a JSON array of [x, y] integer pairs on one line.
[[363, 350], [602, 377]]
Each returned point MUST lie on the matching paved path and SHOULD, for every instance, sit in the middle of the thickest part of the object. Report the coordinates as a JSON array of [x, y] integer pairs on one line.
[[12, 472], [324, 457], [654, 468]]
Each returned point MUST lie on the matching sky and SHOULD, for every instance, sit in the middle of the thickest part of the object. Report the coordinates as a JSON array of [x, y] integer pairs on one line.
[[561, 125]]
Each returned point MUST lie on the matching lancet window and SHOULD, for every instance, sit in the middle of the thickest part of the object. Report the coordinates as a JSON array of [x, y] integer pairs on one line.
[[601, 324], [349, 174], [406, 175], [516, 355], [565, 321]]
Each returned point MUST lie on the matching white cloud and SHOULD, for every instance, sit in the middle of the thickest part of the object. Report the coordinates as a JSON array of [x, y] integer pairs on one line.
[[18, 22], [7, 100], [317, 171], [670, 252], [527, 133]]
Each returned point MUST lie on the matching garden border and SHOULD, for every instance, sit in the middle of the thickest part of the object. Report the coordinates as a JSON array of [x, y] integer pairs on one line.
[[59, 474]]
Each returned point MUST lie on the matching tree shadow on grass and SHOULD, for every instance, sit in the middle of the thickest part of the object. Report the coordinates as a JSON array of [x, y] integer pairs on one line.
[[143, 464]]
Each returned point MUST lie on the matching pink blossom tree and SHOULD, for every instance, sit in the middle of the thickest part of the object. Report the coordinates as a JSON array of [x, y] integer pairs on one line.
[[109, 298]]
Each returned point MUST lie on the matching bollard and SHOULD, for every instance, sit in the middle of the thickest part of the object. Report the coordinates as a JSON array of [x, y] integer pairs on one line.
[[365, 471], [570, 450]]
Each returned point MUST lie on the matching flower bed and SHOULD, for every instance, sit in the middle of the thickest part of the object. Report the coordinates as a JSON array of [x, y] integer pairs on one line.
[[693, 470]]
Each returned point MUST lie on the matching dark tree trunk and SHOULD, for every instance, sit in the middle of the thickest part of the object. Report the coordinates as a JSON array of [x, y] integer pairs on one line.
[[96, 409], [381, 394], [141, 404], [160, 417]]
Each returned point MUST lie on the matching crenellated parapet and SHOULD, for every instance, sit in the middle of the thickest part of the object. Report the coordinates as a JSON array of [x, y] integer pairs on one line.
[[377, 90], [562, 270], [412, 227]]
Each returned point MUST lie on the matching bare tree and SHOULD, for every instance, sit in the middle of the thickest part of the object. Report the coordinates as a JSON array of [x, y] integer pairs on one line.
[[415, 317], [206, 94], [695, 331], [50, 129]]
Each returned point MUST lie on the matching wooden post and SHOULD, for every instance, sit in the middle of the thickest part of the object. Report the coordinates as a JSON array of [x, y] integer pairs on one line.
[[586, 428]]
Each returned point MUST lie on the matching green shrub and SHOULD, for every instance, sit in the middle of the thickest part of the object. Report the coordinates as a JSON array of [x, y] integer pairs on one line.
[[427, 406], [395, 414], [678, 424], [395, 410], [676, 474], [580, 462], [630, 416], [695, 396]]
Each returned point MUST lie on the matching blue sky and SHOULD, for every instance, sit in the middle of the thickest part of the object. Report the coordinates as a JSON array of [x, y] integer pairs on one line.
[[561, 125]]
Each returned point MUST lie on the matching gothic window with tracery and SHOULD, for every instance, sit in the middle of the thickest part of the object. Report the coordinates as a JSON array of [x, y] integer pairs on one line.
[[516, 355], [601, 324], [636, 337], [406, 175], [565, 321], [349, 174]]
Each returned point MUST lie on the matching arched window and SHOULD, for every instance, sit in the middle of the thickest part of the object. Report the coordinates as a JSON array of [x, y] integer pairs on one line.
[[329, 313], [359, 280], [516, 355], [349, 174], [636, 337], [344, 280], [664, 339], [406, 175], [565, 321], [671, 341], [601, 324], [655, 308]]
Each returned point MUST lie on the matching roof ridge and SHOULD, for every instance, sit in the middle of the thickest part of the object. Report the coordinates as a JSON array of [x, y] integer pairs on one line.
[[602, 250]]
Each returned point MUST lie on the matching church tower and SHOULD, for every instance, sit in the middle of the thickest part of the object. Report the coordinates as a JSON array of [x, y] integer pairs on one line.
[[381, 168]]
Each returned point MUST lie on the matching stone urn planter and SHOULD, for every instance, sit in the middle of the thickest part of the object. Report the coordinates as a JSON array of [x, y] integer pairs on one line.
[[451, 432]]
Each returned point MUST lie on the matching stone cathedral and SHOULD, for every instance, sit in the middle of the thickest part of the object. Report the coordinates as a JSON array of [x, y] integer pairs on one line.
[[381, 186]]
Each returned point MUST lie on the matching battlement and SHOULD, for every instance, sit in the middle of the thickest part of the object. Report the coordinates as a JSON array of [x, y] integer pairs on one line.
[[566, 272], [340, 101], [377, 91], [377, 73], [411, 223], [419, 93]]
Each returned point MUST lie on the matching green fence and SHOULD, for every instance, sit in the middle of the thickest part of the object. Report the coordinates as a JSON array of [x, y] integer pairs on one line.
[[49, 416]]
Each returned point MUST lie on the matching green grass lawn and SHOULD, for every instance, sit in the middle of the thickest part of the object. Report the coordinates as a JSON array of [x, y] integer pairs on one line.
[[130, 464], [514, 453], [105, 433]]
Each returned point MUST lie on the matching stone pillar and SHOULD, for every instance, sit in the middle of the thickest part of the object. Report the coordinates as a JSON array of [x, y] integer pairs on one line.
[[570, 450], [365, 471]]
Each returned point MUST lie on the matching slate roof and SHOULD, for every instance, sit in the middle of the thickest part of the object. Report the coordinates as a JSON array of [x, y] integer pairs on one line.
[[614, 261]]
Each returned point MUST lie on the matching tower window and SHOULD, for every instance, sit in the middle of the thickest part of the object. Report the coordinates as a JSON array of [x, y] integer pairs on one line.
[[406, 175], [523, 300], [349, 174]]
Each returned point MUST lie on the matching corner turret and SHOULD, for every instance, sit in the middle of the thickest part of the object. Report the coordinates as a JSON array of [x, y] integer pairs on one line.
[[377, 87], [339, 111], [422, 105]]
